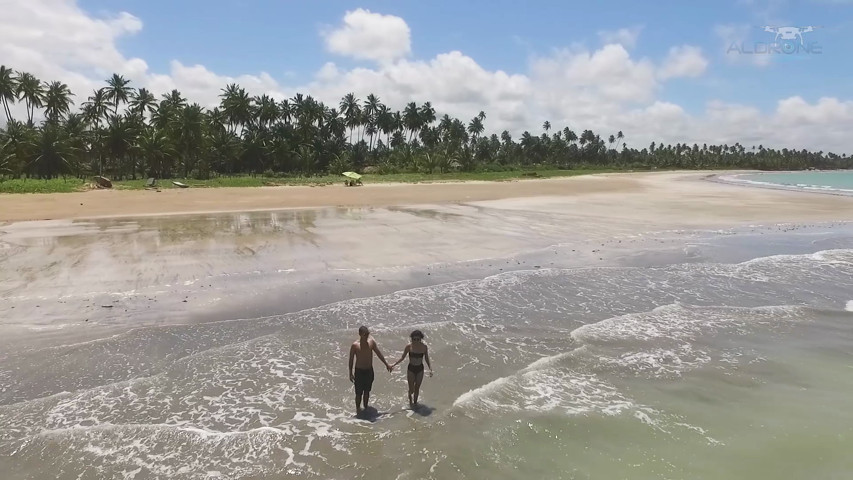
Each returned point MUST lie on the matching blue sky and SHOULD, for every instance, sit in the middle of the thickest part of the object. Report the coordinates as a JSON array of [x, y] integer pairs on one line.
[[657, 70], [234, 37]]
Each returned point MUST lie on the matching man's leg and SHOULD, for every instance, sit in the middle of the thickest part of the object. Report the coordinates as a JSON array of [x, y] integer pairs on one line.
[[358, 402], [368, 384]]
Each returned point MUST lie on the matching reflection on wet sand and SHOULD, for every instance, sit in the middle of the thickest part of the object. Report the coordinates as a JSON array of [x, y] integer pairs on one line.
[[135, 271]]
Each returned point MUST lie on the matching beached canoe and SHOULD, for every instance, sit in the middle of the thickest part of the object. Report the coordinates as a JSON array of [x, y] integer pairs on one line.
[[103, 182]]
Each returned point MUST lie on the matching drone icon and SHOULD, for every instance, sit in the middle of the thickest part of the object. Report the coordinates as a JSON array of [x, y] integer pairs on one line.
[[788, 33]]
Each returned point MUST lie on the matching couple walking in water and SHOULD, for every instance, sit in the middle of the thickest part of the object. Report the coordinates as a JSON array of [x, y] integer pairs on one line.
[[361, 357]]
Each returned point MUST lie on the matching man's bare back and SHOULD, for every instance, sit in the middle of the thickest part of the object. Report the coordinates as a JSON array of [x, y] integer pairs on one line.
[[364, 352]]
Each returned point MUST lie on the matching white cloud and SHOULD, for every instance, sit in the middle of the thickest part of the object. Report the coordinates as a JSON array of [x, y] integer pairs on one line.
[[794, 123], [201, 85], [627, 37], [55, 39], [605, 89], [370, 36], [683, 61], [454, 83], [608, 73], [825, 125]]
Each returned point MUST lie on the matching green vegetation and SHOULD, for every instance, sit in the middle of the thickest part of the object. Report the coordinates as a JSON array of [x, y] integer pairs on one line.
[[31, 185], [127, 134]]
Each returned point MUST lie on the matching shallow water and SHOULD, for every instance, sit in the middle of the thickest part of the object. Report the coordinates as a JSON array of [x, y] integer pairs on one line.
[[840, 181], [681, 367]]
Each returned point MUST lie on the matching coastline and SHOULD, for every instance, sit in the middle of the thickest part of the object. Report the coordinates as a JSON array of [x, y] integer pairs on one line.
[[168, 267], [730, 179]]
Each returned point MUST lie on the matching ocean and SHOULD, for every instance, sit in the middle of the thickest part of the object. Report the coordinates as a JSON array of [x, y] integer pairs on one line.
[[840, 181], [729, 355]]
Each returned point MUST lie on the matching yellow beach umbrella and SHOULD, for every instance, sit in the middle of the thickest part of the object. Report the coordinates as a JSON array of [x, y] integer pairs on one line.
[[351, 175]]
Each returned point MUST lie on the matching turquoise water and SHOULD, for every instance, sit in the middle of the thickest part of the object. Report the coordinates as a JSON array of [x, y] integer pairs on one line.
[[839, 180]]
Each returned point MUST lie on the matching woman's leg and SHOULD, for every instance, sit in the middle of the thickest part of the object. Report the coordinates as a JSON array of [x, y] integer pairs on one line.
[[418, 379], [411, 377]]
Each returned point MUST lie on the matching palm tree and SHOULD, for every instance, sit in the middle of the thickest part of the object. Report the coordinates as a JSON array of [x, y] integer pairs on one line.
[[57, 102], [427, 114], [588, 140], [97, 106], [95, 110], [6, 156], [236, 106], [8, 90], [188, 126], [31, 91], [475, 128], [118, 90], [174, 99], [52, 152], [17, 140], [304, 135], [285, 111], [570, 135], [119, 141], [351, 111], [385, 122], [371, 107], [411, 118], [267, 110], [225, 149], [141, 102], [154, 145], [77, 128]]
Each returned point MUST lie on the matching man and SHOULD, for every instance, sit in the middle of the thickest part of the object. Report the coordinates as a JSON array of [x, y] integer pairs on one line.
[[362, 351]]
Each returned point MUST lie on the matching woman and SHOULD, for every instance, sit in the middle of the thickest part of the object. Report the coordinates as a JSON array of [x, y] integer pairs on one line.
[[417, 352]]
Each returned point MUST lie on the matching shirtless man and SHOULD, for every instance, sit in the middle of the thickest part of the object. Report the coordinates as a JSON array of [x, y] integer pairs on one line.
[[362, 352]]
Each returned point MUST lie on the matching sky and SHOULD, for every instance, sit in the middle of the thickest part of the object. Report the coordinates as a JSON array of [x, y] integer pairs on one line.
[[670, 71]]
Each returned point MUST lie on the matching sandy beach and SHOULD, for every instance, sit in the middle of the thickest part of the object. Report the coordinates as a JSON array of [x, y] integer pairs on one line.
[[215, 253], [212, 324], [664, 196]]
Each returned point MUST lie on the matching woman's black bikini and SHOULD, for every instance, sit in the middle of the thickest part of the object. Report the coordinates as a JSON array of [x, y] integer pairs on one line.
[[416, 369]]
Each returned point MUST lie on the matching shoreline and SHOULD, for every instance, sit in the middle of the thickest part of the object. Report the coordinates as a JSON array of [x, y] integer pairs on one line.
[[772, 186], [158, 268]]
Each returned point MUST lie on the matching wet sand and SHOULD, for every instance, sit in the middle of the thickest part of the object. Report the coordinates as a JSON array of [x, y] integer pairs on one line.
[[116, 272]]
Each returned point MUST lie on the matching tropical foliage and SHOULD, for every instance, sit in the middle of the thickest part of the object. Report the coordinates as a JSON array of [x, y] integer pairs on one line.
[[124, 133]]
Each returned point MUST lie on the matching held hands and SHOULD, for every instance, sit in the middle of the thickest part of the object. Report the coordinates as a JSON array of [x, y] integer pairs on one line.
[[351, 377], [430, 373], [390, 367]]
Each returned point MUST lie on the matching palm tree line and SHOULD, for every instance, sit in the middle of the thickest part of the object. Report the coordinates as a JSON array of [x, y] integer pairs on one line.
[[125, 132]]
